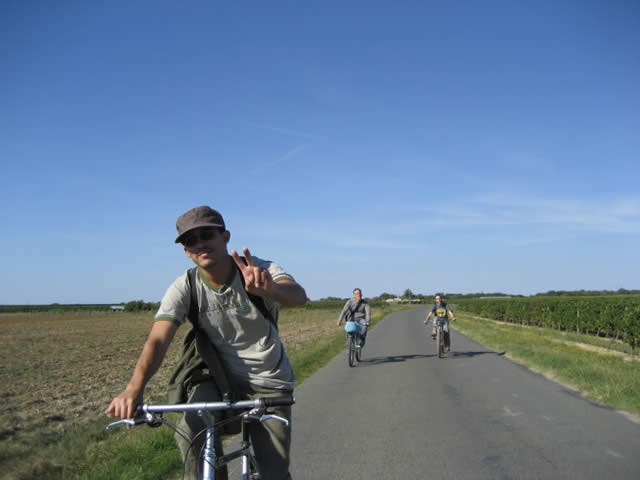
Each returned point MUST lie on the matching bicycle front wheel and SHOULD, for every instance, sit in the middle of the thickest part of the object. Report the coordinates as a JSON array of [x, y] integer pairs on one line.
[[351, 351], [439, 342]]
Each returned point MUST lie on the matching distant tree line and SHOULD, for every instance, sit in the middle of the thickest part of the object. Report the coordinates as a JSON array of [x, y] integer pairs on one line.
[[55, 308], [551, 293], [141, 306], [587, 293], [328, 302], [409, 295]]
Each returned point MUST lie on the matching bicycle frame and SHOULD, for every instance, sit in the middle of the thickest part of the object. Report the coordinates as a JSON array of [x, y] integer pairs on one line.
[[254, 411], [440, 343]]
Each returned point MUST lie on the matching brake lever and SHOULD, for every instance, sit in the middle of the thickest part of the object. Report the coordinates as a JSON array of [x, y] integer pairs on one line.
[[129, 422], [140, 418], [264, 418]]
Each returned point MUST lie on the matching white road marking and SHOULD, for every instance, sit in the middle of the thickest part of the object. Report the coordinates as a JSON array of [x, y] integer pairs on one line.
[[614, 453], [509, 413]]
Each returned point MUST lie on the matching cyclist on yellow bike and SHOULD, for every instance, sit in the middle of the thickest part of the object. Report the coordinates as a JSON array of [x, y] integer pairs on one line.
[[440, 310]]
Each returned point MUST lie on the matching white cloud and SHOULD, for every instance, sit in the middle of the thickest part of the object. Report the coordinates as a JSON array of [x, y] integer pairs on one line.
[[506, 219], [288, 132], [596, 214], [289, 155]]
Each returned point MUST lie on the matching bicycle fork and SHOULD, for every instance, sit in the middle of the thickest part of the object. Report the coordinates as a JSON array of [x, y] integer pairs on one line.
[[211, 461], [246, 466]]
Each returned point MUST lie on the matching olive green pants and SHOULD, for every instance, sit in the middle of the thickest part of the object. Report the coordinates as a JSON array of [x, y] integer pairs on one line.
[[271, 440]]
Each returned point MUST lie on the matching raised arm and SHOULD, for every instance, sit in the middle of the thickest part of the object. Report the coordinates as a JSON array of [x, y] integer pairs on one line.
[[367, 313], [288, 293], [153, 352], [258, 281]]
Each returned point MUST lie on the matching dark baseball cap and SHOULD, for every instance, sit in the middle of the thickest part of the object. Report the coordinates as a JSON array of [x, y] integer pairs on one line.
[[198, 217]]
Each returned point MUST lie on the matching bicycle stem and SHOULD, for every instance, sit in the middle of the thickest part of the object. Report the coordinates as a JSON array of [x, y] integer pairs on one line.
[[209, 455]]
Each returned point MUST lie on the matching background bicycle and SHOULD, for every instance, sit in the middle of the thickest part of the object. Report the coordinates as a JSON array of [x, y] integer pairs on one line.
[[354, 348], [441, 347]]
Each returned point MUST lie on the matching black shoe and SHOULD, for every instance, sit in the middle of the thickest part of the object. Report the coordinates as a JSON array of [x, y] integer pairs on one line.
[[433, 337]]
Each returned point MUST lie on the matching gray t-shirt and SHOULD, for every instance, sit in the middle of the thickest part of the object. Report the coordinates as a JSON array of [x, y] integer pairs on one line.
[[356, 313], [247, 342]]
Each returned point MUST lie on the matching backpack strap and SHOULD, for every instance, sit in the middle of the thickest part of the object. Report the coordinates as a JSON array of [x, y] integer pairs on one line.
[[353, 312], [203, 344]]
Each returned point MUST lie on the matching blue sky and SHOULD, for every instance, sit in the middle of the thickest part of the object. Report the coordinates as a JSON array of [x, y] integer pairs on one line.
[[437, 146]]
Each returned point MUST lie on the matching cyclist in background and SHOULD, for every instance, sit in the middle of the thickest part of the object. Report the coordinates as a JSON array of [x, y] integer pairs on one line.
[[357, 310], [440, 310]]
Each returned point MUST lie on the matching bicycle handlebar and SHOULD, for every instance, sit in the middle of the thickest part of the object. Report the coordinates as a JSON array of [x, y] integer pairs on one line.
[[146, 413], [284, 401], [261, 402]]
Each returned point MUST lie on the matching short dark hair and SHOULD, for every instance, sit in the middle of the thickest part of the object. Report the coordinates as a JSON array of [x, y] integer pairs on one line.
[[359, 289]]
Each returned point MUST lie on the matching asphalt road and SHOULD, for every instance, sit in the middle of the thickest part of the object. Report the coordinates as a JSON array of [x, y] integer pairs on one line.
[[404, 413]]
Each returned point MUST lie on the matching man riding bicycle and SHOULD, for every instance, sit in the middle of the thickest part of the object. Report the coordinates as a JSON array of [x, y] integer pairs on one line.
[[441, 311], [246, 340], [357, 310]]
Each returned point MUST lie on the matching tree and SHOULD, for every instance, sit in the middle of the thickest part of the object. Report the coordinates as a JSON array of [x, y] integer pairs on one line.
[[385, 296], [140, 305], [407, 294]]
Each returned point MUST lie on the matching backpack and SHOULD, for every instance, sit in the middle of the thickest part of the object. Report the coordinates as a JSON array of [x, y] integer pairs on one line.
[[199, 360]]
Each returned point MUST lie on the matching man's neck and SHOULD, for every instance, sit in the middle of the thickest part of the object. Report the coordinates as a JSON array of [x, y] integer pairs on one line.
[[220, 274]]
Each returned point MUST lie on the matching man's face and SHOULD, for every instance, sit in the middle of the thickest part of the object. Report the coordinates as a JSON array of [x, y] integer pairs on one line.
[[438, 299], [206, 246], [357, 294]]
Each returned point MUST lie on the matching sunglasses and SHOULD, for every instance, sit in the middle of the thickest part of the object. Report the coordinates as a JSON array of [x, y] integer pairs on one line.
[[203, 235]]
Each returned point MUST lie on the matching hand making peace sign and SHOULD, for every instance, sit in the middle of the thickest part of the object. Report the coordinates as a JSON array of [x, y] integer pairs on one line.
[[257, 280]]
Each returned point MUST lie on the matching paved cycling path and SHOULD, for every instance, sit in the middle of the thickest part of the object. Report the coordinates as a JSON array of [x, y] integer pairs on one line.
[[404, 413]]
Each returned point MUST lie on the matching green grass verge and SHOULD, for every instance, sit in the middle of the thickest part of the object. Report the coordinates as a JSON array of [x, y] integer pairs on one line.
[[319, 352], [91, 453], [598, 374]]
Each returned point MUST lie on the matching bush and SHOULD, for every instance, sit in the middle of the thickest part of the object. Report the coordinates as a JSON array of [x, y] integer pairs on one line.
[[614, 316]]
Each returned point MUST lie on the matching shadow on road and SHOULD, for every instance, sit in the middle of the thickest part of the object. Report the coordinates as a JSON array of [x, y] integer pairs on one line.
[[404, 358], [392, 359], [474, 354]]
